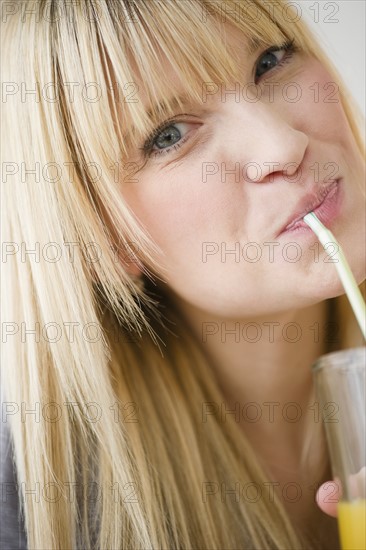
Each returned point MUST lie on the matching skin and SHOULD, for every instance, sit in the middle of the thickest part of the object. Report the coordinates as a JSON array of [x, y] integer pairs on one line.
[[182, 212]]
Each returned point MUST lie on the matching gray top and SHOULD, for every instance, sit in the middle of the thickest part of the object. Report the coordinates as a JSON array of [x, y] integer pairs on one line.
[[12, 531]]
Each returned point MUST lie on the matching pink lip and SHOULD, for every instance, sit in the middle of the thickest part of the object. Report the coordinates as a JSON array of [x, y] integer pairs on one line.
[[326, 206]]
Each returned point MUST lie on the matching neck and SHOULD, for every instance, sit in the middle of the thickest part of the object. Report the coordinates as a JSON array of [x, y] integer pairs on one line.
[[263, 368], [262, 359]]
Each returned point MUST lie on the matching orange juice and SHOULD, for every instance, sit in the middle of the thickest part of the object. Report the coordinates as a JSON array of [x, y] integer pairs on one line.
[[352, 524]]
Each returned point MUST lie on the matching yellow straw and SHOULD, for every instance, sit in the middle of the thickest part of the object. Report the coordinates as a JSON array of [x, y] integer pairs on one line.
[[345, 274]]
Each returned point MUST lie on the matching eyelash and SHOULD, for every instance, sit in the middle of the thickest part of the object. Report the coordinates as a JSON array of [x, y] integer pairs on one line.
[[289, 47]]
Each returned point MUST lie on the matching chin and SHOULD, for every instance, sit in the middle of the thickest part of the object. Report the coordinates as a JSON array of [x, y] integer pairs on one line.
[[358, 268], [333, 287], [329, 287]]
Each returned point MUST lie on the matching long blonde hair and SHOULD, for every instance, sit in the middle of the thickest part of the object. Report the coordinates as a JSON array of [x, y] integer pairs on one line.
[[114, 376]]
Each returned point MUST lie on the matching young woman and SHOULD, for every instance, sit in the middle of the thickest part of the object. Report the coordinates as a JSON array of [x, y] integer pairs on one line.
[[161, 306]]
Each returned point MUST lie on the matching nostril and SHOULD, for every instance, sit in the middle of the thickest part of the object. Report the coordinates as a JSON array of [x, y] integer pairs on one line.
[[291, 169]]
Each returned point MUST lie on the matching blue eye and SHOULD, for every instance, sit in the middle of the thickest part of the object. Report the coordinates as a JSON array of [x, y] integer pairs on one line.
[[269, 60], [168, 137]]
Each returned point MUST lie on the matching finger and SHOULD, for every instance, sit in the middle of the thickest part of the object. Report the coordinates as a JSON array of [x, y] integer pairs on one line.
[[328, 496]]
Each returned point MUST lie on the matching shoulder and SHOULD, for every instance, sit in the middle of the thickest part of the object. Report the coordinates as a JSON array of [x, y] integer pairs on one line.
[[12, 532]]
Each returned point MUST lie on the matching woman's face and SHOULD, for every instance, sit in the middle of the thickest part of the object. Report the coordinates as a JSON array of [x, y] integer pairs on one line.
[[223, 180]]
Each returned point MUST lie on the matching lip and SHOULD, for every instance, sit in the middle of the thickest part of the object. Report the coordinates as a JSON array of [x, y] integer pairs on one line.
[[324, 202]]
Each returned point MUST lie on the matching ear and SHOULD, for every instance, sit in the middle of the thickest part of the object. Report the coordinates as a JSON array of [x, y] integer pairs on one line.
[[132, 268], [128, 262], [127, 255], [123, 251]]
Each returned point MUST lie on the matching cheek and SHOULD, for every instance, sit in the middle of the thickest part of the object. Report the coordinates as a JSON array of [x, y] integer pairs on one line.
[[175, 209], [321, 110]]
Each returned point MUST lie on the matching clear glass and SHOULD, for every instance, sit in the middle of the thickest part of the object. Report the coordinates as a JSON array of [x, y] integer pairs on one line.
[[339, 379]]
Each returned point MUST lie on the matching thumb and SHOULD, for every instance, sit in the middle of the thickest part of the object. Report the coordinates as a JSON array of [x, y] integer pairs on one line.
[[327, 497]]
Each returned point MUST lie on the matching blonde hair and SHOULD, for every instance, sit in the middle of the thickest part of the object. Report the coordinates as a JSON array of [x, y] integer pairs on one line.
[[143, 359]]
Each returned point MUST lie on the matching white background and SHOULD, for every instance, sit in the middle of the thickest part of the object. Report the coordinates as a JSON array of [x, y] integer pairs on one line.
[[344, 40]]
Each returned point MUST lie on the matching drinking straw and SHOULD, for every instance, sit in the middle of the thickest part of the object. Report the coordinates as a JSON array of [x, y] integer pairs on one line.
[[348, 281]]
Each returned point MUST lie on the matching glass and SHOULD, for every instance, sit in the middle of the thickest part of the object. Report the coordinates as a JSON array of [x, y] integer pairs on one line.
[[339, 379]]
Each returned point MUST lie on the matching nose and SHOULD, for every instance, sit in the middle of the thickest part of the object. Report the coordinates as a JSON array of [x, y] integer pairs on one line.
[[267, 142]]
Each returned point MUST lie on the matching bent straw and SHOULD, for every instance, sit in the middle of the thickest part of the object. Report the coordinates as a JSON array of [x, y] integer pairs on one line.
[[345, 274]]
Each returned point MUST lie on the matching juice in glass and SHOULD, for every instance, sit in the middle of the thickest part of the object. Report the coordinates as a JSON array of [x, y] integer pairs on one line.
[[352, 524], [340, 380]]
